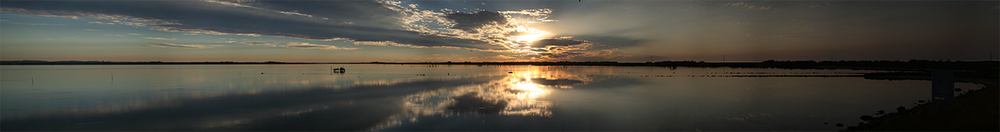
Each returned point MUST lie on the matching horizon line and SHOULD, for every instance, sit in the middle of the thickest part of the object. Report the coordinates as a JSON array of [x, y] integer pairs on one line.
[[271, 61]]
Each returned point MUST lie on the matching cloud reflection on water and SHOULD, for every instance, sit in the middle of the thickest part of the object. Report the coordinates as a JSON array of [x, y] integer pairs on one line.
[[403, 98], [139, 103], [250, 103], [521, 93]]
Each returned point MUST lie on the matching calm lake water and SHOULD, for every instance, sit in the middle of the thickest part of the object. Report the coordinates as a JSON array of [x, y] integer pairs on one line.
[[439, 97]]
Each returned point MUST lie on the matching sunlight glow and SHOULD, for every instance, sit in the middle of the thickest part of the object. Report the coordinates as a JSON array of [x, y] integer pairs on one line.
[[524, 36], [530, 89], [531, 34]]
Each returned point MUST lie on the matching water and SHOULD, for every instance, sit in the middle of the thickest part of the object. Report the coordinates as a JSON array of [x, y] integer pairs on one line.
[[439, 97]]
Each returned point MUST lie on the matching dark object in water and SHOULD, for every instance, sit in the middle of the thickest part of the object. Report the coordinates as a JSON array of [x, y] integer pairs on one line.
[[824, 123], [881, 112], [958, 90], [840, 125], [510, 72], [866, 118], [921, 101], [900, 109]]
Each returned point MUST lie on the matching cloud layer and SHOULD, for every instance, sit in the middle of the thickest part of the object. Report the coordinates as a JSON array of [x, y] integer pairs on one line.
[[372, 22], [155, 38], [295, 45], [165, 45], [471, 22], [239, 18]]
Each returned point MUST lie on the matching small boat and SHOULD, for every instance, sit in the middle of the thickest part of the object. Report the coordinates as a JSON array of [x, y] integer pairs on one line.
[[337, 70], [341, 68]]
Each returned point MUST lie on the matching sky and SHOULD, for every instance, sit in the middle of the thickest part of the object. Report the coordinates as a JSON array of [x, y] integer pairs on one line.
[[490, 30]]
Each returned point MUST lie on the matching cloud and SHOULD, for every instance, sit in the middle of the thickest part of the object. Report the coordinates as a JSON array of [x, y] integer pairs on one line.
[[32, 24], [531, 12], [540, 15], [470, 22], [79, 14], [607, 42], [38, 24], [61, 38], [103, 23], [154, 38], [556, 42], [200, 31], [748, 6], [294, 45], [491, 58], [237, 4], [389, 43], [735, 4], [192, 46], [118, 35], [582, 56]]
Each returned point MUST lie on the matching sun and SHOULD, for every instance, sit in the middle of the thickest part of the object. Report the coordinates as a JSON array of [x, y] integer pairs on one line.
[[528, 34], [521, 43], [528, 38]]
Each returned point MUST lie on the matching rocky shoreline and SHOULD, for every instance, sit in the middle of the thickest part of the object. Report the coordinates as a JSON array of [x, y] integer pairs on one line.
[[975, 110]]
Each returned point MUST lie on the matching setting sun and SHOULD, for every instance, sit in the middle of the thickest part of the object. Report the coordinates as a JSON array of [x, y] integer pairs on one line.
[[529, 34]]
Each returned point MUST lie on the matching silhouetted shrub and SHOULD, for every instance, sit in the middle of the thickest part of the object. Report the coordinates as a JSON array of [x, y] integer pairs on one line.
[[866, 117]]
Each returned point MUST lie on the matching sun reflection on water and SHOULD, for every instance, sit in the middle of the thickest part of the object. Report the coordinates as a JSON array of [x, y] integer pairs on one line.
[[518, 94], [531, 90]]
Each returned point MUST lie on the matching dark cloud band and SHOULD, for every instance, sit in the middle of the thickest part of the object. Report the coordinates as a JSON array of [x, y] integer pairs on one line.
[[373, 21]]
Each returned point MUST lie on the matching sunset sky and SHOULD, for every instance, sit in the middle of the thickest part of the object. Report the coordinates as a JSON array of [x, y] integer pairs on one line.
[[518, 30]]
